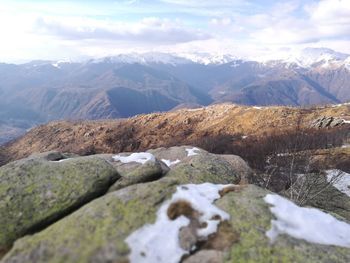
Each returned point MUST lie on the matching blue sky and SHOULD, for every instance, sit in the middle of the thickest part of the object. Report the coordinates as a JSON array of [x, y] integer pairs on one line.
[[246, 28]]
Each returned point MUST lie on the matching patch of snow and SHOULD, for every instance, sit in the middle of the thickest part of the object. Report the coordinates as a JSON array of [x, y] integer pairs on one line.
[[346, 121], [192, 151], [309, 224], [141, 157], [196, 109], [244, 137], [341, 104], [57, 63], [170, 163], [62, 160], [258, 108], [340, 180], [159, 242], [283, 154], [306, 58], [345, 146], [210, 58]]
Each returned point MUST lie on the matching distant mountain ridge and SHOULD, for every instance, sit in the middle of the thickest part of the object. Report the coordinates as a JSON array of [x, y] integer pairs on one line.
[[129, 84]]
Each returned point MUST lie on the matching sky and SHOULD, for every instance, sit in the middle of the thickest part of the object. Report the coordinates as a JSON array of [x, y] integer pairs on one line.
[[76, 30]]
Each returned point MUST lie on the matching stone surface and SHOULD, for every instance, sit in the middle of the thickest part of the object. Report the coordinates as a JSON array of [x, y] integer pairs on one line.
[[134, 173], [205, 167], [36, 191], [251, 218], [96, 232]]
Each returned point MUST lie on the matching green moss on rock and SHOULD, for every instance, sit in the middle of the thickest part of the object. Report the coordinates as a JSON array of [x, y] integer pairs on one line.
[[203, 168], [96, 232], [35, 191], [251, 217]]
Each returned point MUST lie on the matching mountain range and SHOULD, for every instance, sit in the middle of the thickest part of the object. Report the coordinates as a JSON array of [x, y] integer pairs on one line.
[[131, 84]]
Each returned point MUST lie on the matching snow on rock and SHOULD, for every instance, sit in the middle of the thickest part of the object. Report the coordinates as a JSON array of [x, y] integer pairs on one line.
[[340, 180], [62, 160], [309, 224], [192, 151], [141, 157], [170, 163], [159, 242]]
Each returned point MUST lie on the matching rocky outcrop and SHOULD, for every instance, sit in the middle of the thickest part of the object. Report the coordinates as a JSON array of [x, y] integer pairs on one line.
[[327, 122], [105, 224], [148, 191], [229, 168], [36, 191], [134, 173]]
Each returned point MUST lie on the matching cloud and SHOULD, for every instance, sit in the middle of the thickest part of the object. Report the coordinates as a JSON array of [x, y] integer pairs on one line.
[[147, 30], [324, 20], [206, 3]]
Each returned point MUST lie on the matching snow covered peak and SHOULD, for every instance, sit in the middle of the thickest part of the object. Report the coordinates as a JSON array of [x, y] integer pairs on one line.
[[206, 58], [57, 64], [167, 58], [143, 58], [323, 57], [308, 57]]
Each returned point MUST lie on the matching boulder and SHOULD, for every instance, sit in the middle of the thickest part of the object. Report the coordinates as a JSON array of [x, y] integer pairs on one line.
[[327, 122], [174, 153], [203, 168], [239, 165], [133, 172], [97, 231], [38, 190], [251, 218]]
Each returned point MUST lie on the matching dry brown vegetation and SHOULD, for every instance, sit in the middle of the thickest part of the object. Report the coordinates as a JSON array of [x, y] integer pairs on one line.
[[250, 132]]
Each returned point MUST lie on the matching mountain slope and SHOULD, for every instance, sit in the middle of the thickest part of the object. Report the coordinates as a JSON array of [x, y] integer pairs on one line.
[[163, 129], [125, 85]]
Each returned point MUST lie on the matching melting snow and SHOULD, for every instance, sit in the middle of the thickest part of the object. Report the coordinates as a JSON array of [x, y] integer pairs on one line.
[[192, 151], [159, 242], [135, 157], [309, 224], [62, 160], [342, 183], [170, 163]]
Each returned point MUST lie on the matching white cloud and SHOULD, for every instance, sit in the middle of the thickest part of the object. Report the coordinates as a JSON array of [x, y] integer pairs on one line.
[[152, 29], [327, 19], [60, 29], [225, 21]]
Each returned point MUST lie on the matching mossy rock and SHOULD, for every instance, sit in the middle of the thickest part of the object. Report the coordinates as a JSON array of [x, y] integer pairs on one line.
[[317, 192], [133, 172], [203, 168], [251, 218], [35, 191], [96, 232], [175, 152]]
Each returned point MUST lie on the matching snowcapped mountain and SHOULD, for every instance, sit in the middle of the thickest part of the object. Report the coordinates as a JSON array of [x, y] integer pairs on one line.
[[167, 58], [308, 57], [129, 84], [305, 58]]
